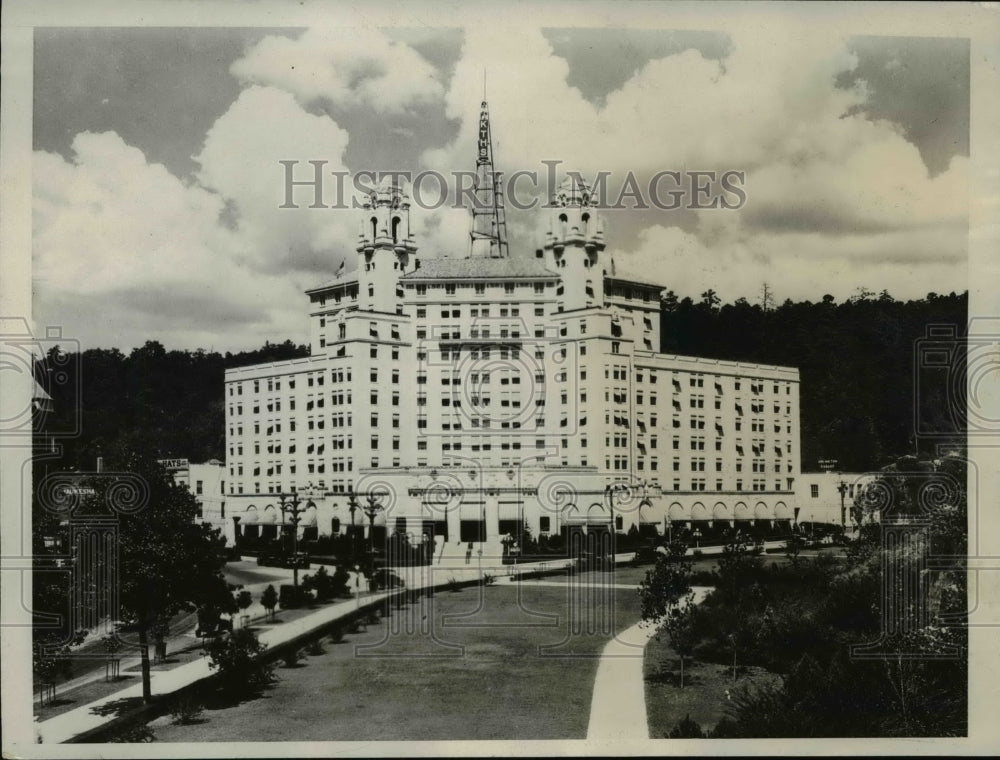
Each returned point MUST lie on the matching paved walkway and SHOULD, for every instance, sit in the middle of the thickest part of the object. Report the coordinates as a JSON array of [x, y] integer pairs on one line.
[[618, 705], [70, 724], [65, 726]]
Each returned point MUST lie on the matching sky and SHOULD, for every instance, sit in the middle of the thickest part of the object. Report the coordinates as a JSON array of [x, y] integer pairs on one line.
[[157, 184]]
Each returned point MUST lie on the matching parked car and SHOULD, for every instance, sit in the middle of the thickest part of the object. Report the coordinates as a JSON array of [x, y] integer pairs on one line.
[[385, 578], [281, 559]]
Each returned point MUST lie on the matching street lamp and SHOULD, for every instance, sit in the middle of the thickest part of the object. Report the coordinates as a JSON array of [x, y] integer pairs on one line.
[[352, 507], [291, 510], [609, 492], [842, 488], [371, 509]]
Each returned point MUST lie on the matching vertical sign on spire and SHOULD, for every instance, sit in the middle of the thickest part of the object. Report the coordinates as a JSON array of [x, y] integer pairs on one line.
[[489, 226]]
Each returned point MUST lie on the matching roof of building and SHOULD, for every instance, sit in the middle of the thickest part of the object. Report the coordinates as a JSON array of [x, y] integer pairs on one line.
[[479, 268], [626, 275], [347, 278]]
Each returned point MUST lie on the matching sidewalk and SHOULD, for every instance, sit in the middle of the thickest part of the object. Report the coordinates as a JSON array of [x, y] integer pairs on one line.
[[618, 706], [66, 726]]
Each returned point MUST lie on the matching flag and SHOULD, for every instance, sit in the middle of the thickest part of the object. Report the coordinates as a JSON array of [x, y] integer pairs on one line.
[[341, 267]]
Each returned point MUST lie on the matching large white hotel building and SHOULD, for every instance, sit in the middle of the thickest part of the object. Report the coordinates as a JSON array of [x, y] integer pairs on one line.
[[471, 392]]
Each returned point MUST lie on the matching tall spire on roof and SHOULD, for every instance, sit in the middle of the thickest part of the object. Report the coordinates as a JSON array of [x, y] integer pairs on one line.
[[488, 238]]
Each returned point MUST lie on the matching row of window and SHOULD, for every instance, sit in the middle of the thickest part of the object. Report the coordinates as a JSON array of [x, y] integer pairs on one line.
[[314, 379], [478, 288], [700, 484]]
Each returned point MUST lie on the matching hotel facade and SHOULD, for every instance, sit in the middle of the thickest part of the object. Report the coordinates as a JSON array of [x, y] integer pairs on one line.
[[471, 394]]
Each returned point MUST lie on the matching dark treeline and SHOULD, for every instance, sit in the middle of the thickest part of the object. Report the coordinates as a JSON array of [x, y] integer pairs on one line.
[[857, 362], [856, 359], [169, 403]]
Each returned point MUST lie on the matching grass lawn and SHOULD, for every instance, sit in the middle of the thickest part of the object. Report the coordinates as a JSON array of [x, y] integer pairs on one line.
[[463, 665], [703, 696], [628, 575]]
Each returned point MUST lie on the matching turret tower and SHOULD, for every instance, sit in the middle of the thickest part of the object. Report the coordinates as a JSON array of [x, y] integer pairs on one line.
[[574, 244], [385, 246]]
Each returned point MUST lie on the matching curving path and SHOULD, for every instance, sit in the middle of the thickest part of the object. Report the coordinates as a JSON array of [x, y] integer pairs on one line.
[[618, 705]]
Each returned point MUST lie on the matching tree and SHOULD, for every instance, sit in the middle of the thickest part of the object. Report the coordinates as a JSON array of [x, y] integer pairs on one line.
[[269, 600], [168, 562], [710, 299], [49, 660], [738, 568], [679, 626], [669, 301], [243, 600], [665, 584]]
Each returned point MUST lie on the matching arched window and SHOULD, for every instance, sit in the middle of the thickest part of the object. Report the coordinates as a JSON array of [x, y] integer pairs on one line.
[[562, 224], [395, 229], [371, 289], [374, 228]]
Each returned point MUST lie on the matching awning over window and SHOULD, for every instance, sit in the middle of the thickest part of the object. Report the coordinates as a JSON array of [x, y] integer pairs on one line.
[[250, 517], [509, 510], [470, 510], [269, 517]]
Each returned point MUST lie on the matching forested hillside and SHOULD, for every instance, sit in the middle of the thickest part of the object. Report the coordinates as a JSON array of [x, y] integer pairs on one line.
[[166, 402], [856, 361]]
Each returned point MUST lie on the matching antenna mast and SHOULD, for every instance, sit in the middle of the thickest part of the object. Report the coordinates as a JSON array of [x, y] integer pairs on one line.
[[488, 238]]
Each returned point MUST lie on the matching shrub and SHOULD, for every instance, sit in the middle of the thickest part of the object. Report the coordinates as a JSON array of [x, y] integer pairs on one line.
[[489, 580], [453, 585], [291, 597], [185, 711], [315, 648], [686, 729], [341, 583], [322, 584], [337, 634], [269, 600], [134, 735], [239, 660], [292, 658], [243, 600]]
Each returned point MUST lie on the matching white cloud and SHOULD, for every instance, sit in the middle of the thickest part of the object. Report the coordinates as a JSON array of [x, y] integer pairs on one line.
[[129, 251], [240, 162], [800, 266], [348, 67], [834, 201], [125, 251]]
